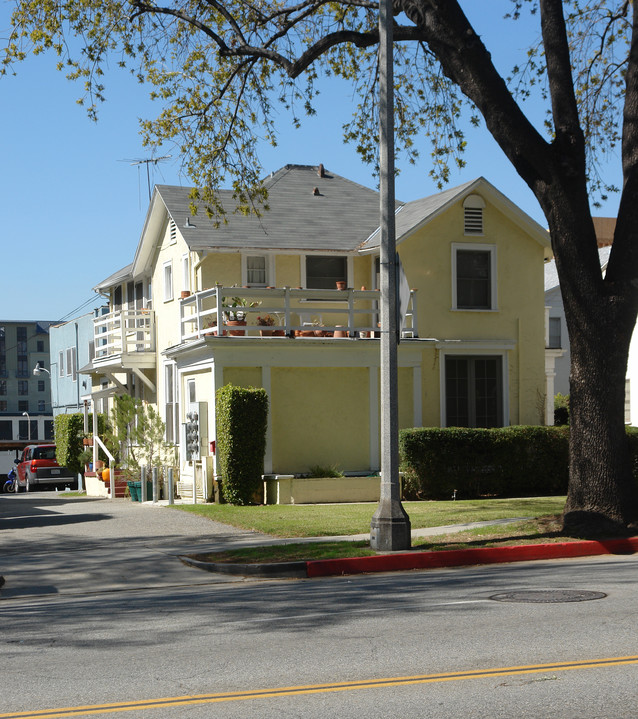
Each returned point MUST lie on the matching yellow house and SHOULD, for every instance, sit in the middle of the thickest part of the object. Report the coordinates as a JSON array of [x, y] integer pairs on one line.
[[472, 341]]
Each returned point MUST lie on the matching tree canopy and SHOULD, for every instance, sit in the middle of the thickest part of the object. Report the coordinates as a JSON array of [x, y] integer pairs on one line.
[[223, 69]]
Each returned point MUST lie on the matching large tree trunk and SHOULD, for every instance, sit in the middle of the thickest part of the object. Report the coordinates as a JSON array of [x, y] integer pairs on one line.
[[603, 494], [601, 315]]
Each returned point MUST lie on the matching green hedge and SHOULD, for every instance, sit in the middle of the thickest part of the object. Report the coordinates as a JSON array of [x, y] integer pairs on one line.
[[242, 416], [69, 431], [509, 461]]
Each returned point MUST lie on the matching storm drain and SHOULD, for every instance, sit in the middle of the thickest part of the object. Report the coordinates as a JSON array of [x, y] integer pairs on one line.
[[548, 596]]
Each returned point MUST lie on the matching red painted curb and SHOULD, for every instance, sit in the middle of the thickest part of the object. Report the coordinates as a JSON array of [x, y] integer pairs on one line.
[[466, 557]]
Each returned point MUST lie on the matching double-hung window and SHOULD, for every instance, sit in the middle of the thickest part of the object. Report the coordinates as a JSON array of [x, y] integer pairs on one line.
[[555, 340], [168, 281], [256, 270], [473, 277]]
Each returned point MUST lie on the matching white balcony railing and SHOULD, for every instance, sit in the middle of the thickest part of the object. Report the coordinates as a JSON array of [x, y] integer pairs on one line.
[[350, 313], [124, 332]]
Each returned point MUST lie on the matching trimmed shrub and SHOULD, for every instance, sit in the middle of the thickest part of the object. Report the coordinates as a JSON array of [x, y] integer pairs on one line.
[[561, 409], [69, 431], [242, 417], [508, 461]]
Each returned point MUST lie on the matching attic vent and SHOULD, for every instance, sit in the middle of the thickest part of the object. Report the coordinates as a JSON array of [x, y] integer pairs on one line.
[[316, 192], [473, 215], [173, 231]]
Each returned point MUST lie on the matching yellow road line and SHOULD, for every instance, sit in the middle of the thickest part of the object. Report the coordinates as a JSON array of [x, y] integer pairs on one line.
[[167, 702]]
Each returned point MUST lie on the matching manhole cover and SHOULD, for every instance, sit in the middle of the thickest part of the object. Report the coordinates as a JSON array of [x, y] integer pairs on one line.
[[548, 596]]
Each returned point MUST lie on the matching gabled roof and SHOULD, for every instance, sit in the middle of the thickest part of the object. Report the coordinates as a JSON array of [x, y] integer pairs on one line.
[[311, 209], [414, 215], [116, 278]]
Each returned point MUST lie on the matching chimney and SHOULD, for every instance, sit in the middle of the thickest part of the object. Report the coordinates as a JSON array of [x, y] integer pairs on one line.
[[321, 172]]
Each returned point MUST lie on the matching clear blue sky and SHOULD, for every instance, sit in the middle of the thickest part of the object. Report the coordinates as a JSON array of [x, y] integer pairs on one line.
[[73, 206]]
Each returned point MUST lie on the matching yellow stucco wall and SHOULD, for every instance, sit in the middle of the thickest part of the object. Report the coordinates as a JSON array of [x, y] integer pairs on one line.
[[220, 268], [320, 417], [287, 271], [243, 376], [519, 317]]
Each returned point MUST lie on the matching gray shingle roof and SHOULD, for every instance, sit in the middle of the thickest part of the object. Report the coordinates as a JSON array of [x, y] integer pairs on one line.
[[337, 219], [115, 278]]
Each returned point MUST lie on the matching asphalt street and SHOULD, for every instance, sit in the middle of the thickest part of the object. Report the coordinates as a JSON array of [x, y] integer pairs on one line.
[[170, 641]]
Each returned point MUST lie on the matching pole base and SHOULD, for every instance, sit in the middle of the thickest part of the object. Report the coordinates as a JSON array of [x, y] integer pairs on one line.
[[390, 529]]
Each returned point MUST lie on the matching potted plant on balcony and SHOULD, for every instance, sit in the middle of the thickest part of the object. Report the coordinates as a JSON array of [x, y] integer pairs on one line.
[[236, 317], [268, 321]]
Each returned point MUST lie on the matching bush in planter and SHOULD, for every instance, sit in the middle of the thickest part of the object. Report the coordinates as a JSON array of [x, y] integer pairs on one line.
[[242, 416]]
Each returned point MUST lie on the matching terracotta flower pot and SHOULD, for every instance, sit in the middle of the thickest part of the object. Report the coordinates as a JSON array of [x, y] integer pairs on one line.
[[341, 285], [236, 323]]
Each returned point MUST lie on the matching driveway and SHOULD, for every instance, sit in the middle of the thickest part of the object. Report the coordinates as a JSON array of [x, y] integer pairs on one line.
[[50, 544]]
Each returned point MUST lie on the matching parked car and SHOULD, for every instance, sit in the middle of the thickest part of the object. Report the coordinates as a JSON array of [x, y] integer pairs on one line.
[[38, 467]]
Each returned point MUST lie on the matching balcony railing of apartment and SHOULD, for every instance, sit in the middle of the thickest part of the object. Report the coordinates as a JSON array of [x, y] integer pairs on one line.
[[124, 332], [349, 313]]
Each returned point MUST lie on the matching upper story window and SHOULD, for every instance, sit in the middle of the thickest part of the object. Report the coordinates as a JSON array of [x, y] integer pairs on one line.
[[23, 367], [168, 281], [3, 386], [23, 387], [40, 346], [473, 277], [554, 333], [473, 207], [186, 275], [256, 270], [323, 272], [61, 363]]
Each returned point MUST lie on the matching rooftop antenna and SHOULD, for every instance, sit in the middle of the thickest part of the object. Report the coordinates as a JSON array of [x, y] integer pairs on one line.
[[147, 161]]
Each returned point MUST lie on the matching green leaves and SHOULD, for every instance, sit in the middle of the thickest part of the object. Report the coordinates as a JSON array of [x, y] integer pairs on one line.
[[222, 72]]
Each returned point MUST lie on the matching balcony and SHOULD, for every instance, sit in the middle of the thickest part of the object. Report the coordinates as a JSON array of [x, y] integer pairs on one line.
[[126, 336], [300, 312]]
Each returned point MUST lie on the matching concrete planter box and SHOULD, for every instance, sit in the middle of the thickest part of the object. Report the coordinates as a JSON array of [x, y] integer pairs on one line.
[[283, 489]]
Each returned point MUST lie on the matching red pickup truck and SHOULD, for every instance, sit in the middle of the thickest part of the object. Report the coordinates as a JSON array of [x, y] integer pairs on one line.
[[38, 467]]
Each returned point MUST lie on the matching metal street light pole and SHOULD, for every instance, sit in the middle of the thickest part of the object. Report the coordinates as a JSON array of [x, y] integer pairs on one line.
[[26, 414], [390, 525]]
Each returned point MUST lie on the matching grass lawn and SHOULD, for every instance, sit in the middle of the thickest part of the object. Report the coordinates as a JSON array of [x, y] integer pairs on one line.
[[530, 531], [325, 520]]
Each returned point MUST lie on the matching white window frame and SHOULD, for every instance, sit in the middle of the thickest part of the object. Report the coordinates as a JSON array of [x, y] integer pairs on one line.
[[167, 275], [186, 276], [270, 270], [61, 363], [69, 361], [476, 247]]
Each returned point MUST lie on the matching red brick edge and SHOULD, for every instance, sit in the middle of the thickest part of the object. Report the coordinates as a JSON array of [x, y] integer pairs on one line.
[[465, 557]]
